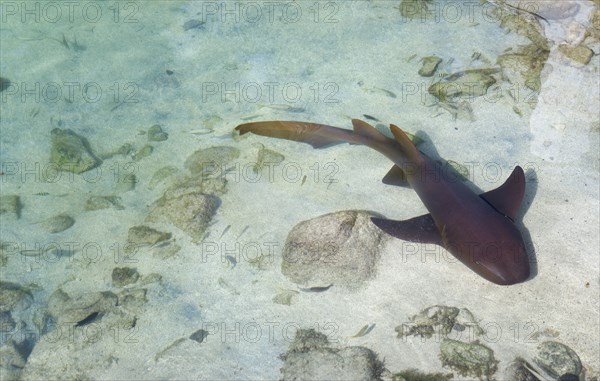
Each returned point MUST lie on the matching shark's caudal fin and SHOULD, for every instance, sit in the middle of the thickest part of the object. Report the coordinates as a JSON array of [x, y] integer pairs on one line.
[[317, 135], [320, 136]]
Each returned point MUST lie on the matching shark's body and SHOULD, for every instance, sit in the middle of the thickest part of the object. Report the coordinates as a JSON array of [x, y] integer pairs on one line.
[[478, 230]]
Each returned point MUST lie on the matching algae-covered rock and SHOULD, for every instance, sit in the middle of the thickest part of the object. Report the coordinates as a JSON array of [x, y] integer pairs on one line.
[[468, 83], [442, 321], [415, 375], [58, 223], [103, 202], [468, 359], [14, 296], [189, 204], [580, 53], [143, 152], [267, 158], [161, 175], [90, 329], [190, 212], [4, 83], [212, 160], [525, 65], [429, 66], [311, 358], [156, 134], [72, 310], [285, 297], [12, 360], [415, 9], [435, 319], [71, 152], [125, 183], [557, 359], [339, 248], [132, 299], [10, 204], [122, 276], [145, 235]]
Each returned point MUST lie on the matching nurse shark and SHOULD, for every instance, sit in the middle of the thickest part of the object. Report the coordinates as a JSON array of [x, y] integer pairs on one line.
[[478, 230]]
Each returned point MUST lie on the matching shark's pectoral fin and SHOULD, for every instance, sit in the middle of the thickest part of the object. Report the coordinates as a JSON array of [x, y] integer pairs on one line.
[[418, 229], [396, 176], [507, 198]]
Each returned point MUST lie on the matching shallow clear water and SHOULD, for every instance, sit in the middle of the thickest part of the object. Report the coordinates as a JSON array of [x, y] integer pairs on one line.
[[109, 71]]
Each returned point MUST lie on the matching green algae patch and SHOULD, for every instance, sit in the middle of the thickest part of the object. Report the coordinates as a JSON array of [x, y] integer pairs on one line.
[[527, 63], [71, 152], [468, 359]]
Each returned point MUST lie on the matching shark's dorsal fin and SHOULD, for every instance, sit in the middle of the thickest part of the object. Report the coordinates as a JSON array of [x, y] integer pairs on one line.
[[365, 129], [507, 198], [396, 176], [418, 229], [406, 145]]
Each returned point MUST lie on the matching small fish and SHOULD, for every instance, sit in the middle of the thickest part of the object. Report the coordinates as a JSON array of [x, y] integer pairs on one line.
[[316, 289], [231, 260], [243, 231], [369, 117], [88, 320], [365, 330], [225, 231], [201, 131]]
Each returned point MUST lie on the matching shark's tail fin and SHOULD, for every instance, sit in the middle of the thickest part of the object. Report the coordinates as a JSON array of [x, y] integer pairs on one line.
[[317, 135]]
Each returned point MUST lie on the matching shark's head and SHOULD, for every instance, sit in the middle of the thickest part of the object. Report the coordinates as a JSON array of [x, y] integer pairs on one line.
[[502, 262]]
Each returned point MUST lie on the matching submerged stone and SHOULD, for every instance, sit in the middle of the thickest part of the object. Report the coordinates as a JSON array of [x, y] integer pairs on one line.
[[468, 359], [415, 375], [14, 296], [58, 223], [122, 276], [557, 359], [311, 358], [156, 134], [339, 248], [161, 175], [190, 212], [267, 158], [143, 152], [103, 202], [10, 204], [525, 65], [212, 160], [145, 235], [429, 66], [71, 152], [468, 83], [580, 53], [66, 309]]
